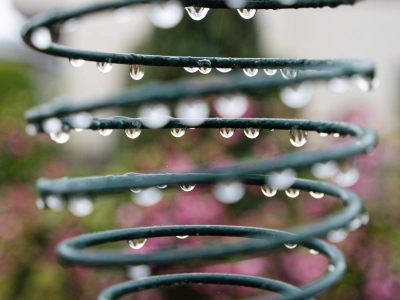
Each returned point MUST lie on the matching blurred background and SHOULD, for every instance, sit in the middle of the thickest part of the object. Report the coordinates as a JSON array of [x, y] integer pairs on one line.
[[28, 236]]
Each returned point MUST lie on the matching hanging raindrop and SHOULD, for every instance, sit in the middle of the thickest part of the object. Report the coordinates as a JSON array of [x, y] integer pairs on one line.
[[105, 132], [292, 193], [269, 191], [314, 252], [137, 243], [80, 206], [288, 73], [290, 246], [104, 67], [251, 133], [197, 13], [317, 195], [247, 13], [191, 69], [337, 236], [182, 237], [250, 72], [227, 132], [77, 63], [178, 132], [270, 72], [187, 187], [41, 38], [60, 137], [224, 70], [133, 133], [298, 137], [136, 190], [204, 70], [137, 71]]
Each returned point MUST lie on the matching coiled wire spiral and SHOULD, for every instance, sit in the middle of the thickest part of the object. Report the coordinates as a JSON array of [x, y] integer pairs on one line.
[[63, 116]]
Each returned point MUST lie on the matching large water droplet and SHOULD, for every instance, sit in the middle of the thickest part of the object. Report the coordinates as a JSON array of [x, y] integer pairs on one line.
[[354, 224], [55, 203], [165, 14], [137, 243], [364, 218], [270, 72], [154, 115], [229, 192], [224, 70], [80, 206], [339, 85], [31, 129], [82, 120], [331, 268], [191, 69], [197, 13], [347, 178], [52, 125], [290, 246], [314, 252], [298, 137], [105, 131], [182, 237], [77, 63], [363, 83], [187, 187], [337, 236], [193, 112], [136, 190], [227, 132], [137, 71], [251, 133], [299, 96], [233, 106], [292, 193], [323, 134], [104, 67], [147, 197], [60, 137], [317, 195], [324, 170], [133, 133], [178, 132], [162, 186], [269, 191], [41, 38], [250, 72], [40, 203], [283, 179], [289, 73], [247, 13], [204, 70]]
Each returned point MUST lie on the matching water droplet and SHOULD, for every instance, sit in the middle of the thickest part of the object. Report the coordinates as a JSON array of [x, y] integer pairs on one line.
[[298, 96], [365, 218], [136, 190], [270, 72], [147, 197], [331, 268], [250, 72], [337, 236], [80, 206], [323, 134], [204, 70], [229, 192], [231, 106], [71, 25], [178, 132], [227, 132], [182, 237], [60, 137], [347, 178], [41, 38], [314, 252], [363, 83], [104, 67], [105, 131], [82, 120], [52, 125], [187, 187], [154, 115], [290, 246], [55, 203], [137, 243], [336, 134], [162, 186], [197, 13], [224, 70], [137, 71], [354, 224], [77, 63], [292, 193], [137, 272], [165, 14], [282, 180], [247, 13], [324, 170], [268, 190], [191, 69], [193, 112], [339, 85], [317, 195], [31, 129], [298, 137], [133, 133], [40, 203], [289, 73], [251, 133]]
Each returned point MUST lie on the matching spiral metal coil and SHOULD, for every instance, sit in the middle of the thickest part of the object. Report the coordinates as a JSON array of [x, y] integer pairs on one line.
[[258, 240]]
